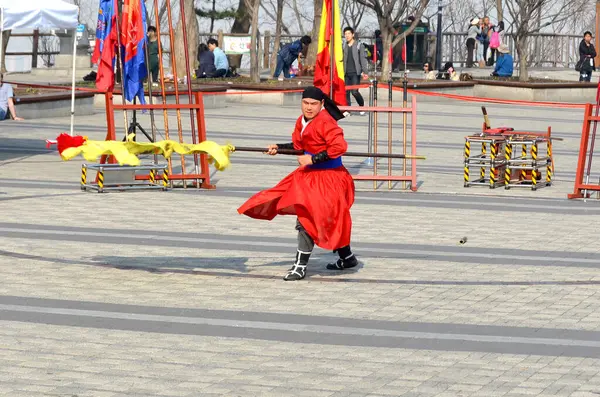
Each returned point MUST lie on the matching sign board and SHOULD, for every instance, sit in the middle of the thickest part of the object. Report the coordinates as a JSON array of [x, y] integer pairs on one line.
[[80, 30], [236, 44]]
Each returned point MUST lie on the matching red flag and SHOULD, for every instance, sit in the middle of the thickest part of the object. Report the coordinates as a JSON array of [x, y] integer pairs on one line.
[[404, 51], [375, 53], [133, 38], [328, 36], [106, 40]]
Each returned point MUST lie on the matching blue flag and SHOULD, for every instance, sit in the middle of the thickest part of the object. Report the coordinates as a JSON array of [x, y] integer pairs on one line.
[[133, 40]]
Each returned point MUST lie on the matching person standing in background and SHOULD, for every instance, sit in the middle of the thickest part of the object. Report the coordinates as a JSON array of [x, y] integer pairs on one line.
[[471, 39], [355, 66], [587, 53], [153, 53]]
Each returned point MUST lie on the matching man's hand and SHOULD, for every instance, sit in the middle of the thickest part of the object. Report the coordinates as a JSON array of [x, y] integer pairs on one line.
[[272, 150], [19, 118], [305, 159], [365, 76]]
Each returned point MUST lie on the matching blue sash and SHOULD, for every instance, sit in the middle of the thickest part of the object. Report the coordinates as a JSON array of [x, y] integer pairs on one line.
[[329, 164]]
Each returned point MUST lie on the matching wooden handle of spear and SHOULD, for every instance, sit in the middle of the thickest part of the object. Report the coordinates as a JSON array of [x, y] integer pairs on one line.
[[347, 154]]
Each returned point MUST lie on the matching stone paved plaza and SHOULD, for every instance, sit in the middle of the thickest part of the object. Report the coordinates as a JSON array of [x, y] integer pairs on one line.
[[153, 293]]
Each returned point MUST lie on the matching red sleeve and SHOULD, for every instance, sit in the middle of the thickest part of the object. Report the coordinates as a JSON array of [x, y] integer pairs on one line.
[[296, 138], [334, 138]]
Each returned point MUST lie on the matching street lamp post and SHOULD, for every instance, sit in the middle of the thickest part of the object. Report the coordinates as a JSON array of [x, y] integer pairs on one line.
[[438, 46]]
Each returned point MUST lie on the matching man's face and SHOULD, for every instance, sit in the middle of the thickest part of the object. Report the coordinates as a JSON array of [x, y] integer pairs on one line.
[[311, 107], [212, 47], [349, 35], [151, 34]]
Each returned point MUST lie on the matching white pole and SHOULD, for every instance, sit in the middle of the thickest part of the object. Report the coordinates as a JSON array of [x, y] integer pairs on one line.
[[1, 34], [73, 83]]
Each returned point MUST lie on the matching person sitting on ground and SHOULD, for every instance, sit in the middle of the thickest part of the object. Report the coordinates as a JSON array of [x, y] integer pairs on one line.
[[504, 63], [429, 72], [448, 73], [7, 103], [206, 59], [221, 62], [288, 54]]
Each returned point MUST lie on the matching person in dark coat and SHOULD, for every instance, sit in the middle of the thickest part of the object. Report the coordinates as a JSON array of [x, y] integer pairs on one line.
[[587, 53], [288, 54], [206, 59]]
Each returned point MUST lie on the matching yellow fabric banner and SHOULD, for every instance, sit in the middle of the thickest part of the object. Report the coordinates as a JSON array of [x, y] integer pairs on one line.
[[126, 152]]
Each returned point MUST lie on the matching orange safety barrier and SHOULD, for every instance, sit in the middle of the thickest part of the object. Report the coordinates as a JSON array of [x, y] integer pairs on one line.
[[586, 152]]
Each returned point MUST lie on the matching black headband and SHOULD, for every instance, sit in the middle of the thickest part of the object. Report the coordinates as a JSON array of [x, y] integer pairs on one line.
[[315, 93]]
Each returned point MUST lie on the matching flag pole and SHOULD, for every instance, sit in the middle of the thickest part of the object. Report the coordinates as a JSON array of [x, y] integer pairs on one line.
[[332, 48], [404, 103], [162, 82], [175, 82], [189, 85], [120, 64]]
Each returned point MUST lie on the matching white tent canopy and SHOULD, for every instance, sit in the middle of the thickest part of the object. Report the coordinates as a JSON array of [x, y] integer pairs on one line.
[[40, 14]]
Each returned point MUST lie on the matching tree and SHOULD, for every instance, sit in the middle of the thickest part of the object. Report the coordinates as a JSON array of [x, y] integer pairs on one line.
[[352, 12], [389, 13], [254, 8], [4, 44], [499, 10], [241, 24], [532, 16], [193, 39], [311, 56], [213, 14], [278, 27]]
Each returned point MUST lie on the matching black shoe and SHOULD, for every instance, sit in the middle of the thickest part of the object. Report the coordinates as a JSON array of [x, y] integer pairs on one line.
[[342, 264], [296, 272]]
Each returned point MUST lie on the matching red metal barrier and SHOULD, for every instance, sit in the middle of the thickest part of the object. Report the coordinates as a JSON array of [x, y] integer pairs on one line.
[[582, 188], [201, 175]]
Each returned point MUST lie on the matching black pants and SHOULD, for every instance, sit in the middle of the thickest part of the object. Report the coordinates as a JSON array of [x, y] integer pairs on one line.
[[353, 79], [585, 75], [470, 50], [490, 62]]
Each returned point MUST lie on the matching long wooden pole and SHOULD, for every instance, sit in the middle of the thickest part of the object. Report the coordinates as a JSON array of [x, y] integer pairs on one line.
[[348, 154]]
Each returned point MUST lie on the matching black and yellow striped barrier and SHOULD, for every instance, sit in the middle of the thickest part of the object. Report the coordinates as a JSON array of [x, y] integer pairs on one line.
[[83, 176], [507, 157], [100, 180]]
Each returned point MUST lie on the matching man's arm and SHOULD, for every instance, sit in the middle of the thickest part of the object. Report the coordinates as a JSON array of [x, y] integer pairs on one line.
[[12, 109]]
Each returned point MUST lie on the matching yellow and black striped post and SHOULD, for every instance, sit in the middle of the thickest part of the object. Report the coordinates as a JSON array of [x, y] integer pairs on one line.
[[483, 153], [165, 178], [534, 150], [152, 177], [549, 163], [83, 176], [494, 153], [467, 155], [100, 180], [523, 174], [507, 157]]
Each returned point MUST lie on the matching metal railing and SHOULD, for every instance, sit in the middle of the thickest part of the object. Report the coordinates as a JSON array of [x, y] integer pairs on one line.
[[544, 50]]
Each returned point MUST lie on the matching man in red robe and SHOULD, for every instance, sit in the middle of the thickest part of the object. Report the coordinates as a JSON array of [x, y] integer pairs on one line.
[[319, 192]]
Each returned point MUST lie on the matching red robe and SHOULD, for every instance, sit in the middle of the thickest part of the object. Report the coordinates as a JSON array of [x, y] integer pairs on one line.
[[320, 198]]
